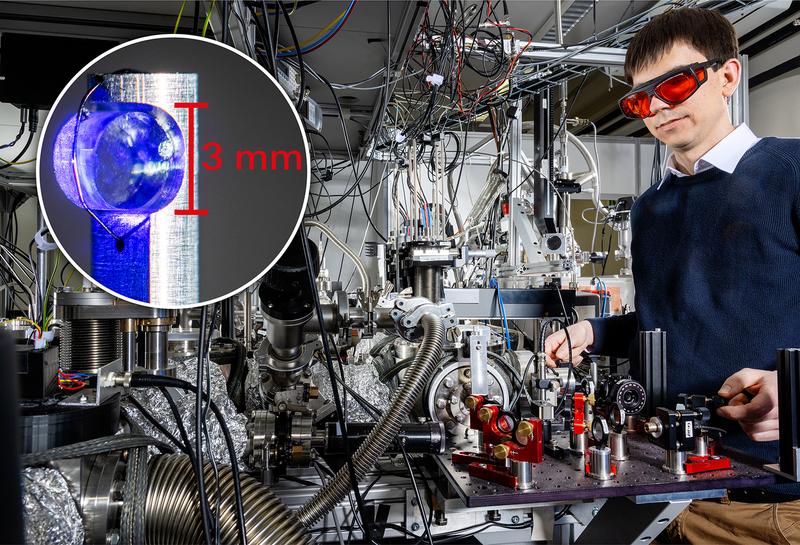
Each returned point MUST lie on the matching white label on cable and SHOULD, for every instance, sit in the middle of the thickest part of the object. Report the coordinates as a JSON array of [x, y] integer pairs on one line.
[[435, 79]]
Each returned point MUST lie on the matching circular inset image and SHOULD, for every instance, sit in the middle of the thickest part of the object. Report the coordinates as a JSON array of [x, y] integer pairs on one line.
[[173, 171]]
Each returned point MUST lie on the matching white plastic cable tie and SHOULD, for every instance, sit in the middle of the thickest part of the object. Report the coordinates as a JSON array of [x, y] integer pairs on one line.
[[435, 79], [42, 244]]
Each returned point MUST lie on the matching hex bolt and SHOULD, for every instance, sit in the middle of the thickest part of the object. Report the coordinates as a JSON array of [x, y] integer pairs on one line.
[[441, 403], [448, 382]]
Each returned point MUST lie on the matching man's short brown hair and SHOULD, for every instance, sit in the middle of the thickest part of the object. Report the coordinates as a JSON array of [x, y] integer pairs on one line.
[[707, 31]]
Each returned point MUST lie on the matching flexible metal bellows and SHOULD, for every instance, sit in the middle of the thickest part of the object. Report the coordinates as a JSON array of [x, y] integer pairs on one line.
[[382, 435], [172, 510], [87, 345]]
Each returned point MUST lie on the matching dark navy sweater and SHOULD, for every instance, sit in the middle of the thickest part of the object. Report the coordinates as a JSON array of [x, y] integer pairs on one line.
[[716, 264]]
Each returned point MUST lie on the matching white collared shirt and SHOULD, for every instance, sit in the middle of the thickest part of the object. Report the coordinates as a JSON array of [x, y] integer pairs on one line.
[[724, 156]]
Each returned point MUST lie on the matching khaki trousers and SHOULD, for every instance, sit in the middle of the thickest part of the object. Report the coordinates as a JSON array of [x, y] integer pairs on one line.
[[722, 521]]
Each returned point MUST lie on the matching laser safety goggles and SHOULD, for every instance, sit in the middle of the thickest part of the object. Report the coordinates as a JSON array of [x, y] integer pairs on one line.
[[672, 88]]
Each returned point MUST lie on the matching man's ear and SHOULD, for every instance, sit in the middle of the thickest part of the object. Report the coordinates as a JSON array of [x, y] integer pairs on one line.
[[729, 73]]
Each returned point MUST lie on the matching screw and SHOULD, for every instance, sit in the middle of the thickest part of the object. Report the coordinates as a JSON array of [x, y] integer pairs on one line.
[[467, 373], [83, 398], [414, 502], [515, 519], [595, 511], [414, 527]]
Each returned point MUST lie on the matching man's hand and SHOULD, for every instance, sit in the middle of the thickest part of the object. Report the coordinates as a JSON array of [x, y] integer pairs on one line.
[[555, 346], [757, 412]]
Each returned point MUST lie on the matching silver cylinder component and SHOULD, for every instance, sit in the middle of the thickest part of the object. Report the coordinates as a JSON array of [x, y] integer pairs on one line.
[[155, 349], [128, 328], [579, 442], [701, 445], [416, 378], [524, 474], [286, 337], [674, 462], [428, 283], [154, 354], [600, 463], [404, 349], [173, 515], [618, 441]]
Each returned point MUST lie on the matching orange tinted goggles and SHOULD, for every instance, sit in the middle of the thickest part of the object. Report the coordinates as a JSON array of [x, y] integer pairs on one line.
[[672, 88]]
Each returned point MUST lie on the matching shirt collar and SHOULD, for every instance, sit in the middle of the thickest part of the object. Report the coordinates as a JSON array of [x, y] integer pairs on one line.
[[725, 155]]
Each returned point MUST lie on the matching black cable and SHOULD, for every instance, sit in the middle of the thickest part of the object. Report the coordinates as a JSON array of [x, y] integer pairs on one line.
[[299, 53], [555, 136], [350, 154], [369, 407], [524, 374], [19, 134], [198, 427], [146, 380], [204, 367], [21, 153], [425, 521], [157, 425], [332, 373], [179, 422], [225, 22], [196, 17]]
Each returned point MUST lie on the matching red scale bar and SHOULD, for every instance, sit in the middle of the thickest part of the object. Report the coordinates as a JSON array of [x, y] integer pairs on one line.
[[191, 106]]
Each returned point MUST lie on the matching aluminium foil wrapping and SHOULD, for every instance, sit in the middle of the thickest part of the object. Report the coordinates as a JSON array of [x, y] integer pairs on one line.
[[174, 240], [50, 512], [363, 379], [155, 403], [252, 387]]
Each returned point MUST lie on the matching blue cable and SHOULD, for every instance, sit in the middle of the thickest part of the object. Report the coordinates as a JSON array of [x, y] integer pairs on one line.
[[493, 283], [311, 46]]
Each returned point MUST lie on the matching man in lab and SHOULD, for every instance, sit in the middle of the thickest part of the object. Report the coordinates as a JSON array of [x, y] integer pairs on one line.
[[716, 261]]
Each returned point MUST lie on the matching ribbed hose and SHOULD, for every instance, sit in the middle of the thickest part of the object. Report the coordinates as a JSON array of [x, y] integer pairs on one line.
[[173, 515], [382, 435]]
